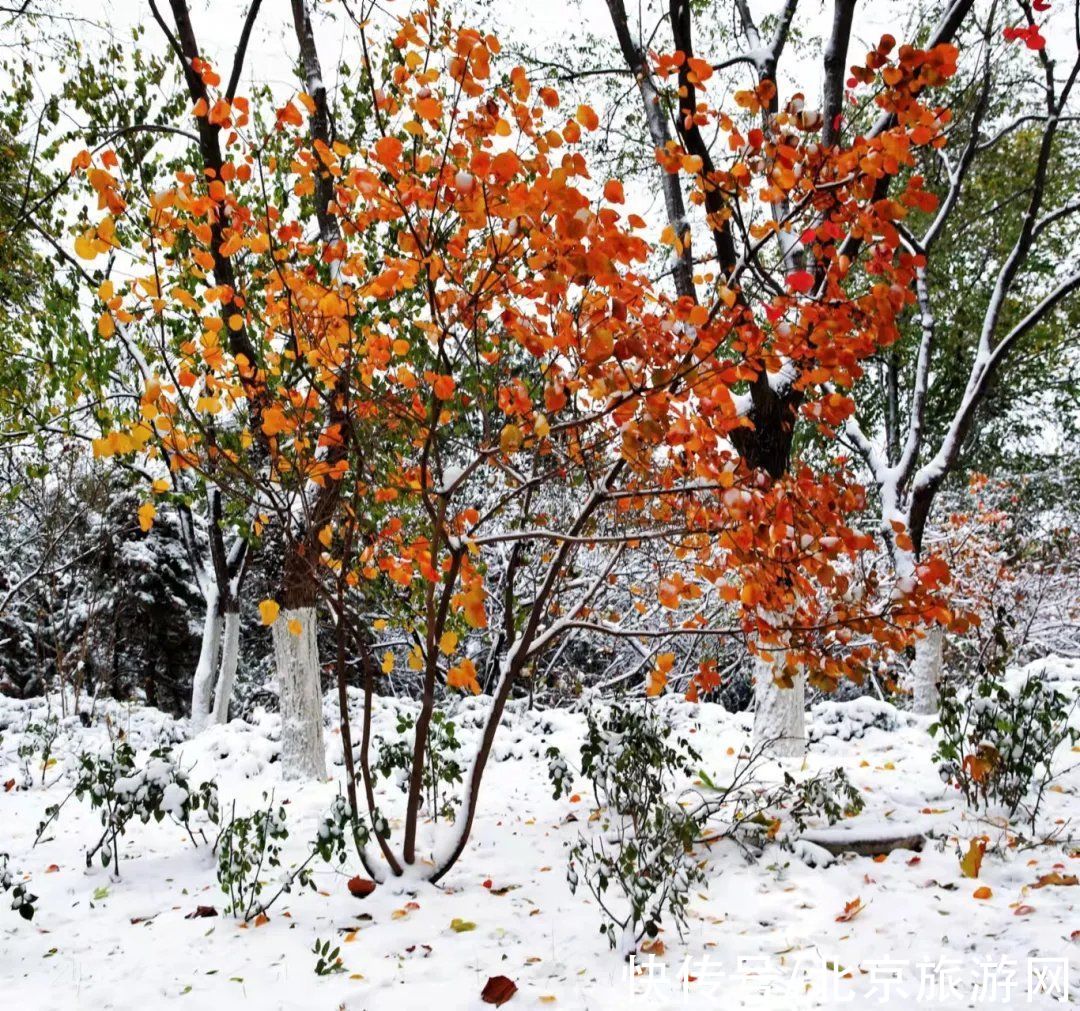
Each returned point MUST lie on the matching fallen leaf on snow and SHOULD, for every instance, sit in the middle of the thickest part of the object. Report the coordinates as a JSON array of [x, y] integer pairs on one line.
[[498, 990], [983, 893], [361, 887], [851, 910], [1055, 878], [198, 912], [459, 926], [971, 862]]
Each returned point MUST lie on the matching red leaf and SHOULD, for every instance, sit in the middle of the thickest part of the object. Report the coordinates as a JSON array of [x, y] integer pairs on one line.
[[9, 786], [498, 990], [361, 887], [800, 280], [199, 912]]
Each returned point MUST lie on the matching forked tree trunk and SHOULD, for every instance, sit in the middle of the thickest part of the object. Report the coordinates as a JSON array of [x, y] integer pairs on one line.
[[202, 684], [926, 670], [779, 713], [230, 653], [296, 657]]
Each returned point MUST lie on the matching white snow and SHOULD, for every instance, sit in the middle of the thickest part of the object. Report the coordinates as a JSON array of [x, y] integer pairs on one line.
[[101, 943]]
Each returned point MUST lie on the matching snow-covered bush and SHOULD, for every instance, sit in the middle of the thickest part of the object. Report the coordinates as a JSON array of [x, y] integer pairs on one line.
[[997, 741], [851, 720], [327, 959], [123, 791], [250, 845], [442, 770], [38, 739], [642, 849], [21, 900]]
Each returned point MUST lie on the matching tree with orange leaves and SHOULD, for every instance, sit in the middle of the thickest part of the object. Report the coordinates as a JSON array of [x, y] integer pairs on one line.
[[461, 394]]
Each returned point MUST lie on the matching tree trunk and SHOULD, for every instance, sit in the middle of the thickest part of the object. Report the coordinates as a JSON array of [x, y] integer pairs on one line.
[[779, 713], [230, 652], [926, 670], [203, 682], [303, 755]]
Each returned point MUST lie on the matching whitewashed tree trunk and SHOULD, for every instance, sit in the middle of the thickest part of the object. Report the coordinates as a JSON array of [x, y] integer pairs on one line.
[[303, 755], [230, 652], [779, 713], [926, 670], [202, 683]]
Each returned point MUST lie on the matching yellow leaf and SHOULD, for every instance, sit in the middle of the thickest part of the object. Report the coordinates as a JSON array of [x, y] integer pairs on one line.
[[105, 325], [160, 486], [510, 439], [326, 536], [147, 512], [448, 642], [268, 611], [541, 427], [387, 662], [971, 862], [294, 626], [85, 248]]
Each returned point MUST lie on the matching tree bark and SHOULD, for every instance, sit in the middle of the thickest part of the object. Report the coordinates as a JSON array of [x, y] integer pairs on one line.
[[203, 681], [779, 713], [230, 652], [296, 657], [926, 671]]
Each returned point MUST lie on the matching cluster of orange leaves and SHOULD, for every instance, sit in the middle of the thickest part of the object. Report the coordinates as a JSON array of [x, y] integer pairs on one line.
[[479, 284]]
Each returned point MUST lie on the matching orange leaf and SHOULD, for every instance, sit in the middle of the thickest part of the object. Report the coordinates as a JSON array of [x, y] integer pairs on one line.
[[588, 119], [1055, 878], [613, 192], [851, 910]]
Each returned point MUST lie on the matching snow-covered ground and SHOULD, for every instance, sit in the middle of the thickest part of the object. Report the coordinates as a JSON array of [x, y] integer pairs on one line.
[[757, 938]]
